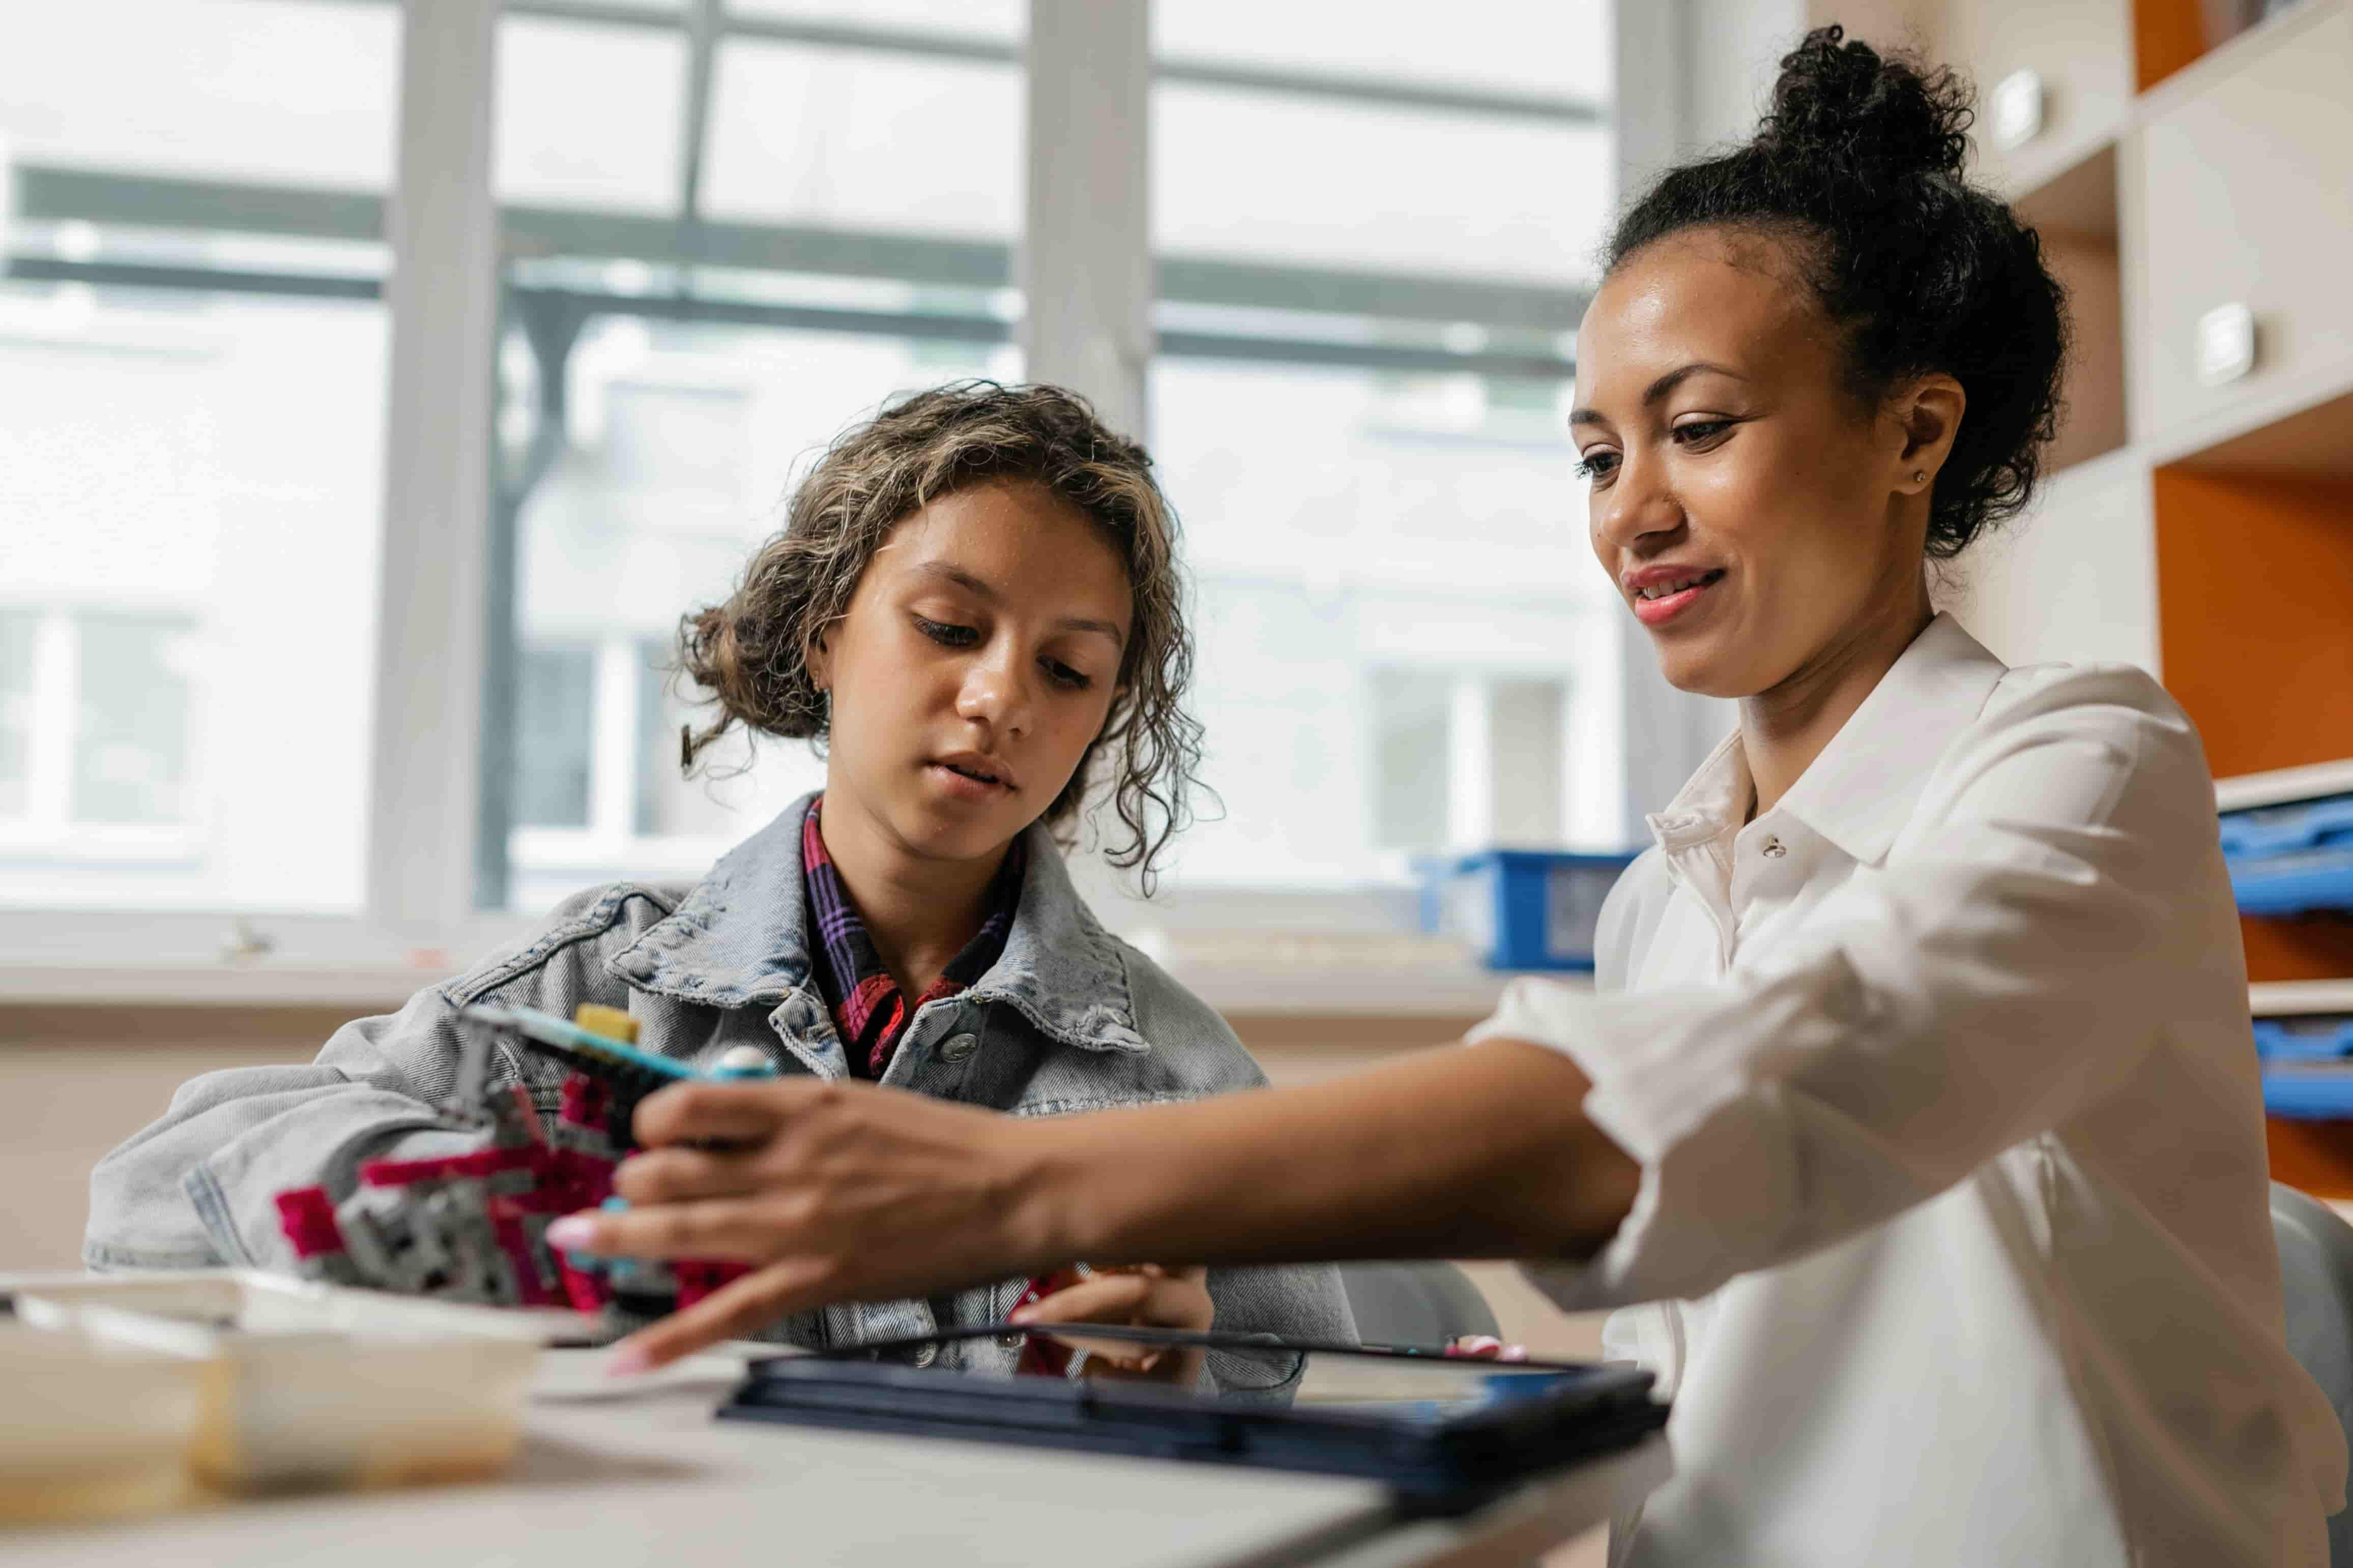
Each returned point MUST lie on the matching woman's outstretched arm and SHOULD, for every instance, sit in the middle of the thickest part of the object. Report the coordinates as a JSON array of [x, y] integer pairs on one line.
[[842, 1192]]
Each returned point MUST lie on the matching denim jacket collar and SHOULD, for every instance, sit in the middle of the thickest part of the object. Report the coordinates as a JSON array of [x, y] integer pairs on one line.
[[740, 936]]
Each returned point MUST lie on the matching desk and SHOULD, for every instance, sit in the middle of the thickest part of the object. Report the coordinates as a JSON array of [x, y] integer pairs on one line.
[[651, 1478]]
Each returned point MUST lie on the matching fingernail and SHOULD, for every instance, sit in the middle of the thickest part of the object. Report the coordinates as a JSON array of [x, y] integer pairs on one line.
[[1021, 1314], [628, 1362], [571, 1233]]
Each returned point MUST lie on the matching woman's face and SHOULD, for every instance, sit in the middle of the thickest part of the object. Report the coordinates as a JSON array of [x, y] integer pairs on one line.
[[976, 664], [1744, 503]]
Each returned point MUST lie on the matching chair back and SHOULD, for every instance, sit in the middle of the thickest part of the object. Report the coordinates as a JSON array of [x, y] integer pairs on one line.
[[2316, 1249], [1414, 1303]]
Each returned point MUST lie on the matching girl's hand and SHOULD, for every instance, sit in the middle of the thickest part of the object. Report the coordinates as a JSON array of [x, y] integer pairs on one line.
[[1135, 1296]]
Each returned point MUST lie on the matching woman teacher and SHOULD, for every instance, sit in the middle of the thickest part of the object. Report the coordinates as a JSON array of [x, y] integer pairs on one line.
[[1915, 1123]]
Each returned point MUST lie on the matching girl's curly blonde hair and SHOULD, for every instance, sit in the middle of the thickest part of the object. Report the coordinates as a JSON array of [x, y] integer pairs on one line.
[[750, 652]]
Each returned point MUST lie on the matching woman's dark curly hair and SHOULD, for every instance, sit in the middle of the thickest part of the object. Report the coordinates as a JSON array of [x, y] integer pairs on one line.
[[1860, 163], [752, 651]]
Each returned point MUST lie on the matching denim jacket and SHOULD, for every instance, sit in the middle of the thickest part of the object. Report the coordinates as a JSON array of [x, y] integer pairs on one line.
[[1069, 1019]]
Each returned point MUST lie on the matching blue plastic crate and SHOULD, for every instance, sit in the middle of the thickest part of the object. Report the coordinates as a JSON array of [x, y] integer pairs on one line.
[[2311, 1037], [1521, 908], [2291, 859], [2308, 1066], [2309, 1092]]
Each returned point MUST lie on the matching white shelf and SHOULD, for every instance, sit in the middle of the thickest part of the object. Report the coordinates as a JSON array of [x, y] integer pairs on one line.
[[2291, 998], [2245, 792]]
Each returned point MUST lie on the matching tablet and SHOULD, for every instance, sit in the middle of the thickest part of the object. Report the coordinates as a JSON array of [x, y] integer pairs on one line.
[[1471, 1430]]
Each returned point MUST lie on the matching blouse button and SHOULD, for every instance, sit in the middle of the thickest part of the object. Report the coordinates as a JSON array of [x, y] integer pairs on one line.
[[1773, 849]]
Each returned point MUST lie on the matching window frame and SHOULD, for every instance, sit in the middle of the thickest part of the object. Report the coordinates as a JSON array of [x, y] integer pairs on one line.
[[439, 588]]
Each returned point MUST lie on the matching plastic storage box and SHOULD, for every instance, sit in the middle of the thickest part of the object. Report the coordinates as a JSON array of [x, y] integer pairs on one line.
[[2303, 1038], [1521, 908], [90, 1429], [314, 1385], [2287, 838]]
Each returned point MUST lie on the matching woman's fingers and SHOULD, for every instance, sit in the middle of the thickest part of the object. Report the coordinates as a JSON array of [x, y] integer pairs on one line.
[[747, 1230], [720, 1112], [677, 1175], [737, 1310]]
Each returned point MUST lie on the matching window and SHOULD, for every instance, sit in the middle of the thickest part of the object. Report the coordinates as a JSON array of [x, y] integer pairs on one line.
[[191, 417], [855, 189], [1374, 243], [699, 238]]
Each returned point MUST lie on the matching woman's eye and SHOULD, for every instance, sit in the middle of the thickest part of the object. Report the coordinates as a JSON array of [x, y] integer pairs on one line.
[[945, 635], [1597, 465], [1700, 432], [1063, 676]]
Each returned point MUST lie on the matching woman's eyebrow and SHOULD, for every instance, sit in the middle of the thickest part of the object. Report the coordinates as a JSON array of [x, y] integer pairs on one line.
[[986, 591], [1659, 388]]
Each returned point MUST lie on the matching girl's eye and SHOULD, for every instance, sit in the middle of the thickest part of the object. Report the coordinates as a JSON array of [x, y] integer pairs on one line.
[[1597, 465], [1063, 676], [1700, 432], [947, 636]]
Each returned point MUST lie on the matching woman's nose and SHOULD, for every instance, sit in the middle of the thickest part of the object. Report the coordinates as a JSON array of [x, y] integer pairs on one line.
[[1637, 508]]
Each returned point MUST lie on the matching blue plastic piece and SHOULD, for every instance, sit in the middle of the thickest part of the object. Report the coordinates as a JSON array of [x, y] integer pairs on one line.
[[2291, 859], [1521, 908], [565, 1036]]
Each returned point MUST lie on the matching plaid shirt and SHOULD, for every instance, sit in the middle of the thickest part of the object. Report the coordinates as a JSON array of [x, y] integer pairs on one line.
[[869, 1010]]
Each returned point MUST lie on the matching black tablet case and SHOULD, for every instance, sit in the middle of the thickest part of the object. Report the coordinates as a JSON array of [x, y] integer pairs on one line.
[[1439, 1457]]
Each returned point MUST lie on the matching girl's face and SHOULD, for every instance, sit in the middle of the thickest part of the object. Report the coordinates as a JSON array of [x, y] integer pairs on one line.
[[1755, 517], [976, 664]]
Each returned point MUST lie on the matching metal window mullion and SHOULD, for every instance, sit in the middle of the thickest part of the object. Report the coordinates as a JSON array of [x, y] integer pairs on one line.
[[1084, 259], [442, 300]]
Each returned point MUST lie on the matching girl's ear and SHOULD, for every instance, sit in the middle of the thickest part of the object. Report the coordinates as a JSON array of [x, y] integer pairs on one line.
[[817, 657]]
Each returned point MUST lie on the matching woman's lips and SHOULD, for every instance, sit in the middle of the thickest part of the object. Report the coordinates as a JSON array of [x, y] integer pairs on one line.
[[1658, 612]]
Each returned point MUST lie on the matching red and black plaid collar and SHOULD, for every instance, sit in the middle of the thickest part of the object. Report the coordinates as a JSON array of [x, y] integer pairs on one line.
[[869, 1010]]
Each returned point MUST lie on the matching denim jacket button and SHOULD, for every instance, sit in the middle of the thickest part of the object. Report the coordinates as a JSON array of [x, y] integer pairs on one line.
[[959, 1047], [926, 1354]]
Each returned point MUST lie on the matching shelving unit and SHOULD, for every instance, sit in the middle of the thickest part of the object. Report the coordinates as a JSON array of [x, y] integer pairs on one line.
[[2191, 177]]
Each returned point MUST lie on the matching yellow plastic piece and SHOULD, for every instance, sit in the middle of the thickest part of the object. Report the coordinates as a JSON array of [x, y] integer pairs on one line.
[[610, 1022]]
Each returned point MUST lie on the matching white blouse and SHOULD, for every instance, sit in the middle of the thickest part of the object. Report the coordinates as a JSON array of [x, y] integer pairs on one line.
[[1953, 1217]]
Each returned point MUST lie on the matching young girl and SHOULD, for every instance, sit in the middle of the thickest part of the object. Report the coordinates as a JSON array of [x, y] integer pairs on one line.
[[974, 606]]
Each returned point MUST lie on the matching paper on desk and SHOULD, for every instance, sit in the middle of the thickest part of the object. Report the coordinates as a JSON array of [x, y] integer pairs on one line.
[[580, 1375]]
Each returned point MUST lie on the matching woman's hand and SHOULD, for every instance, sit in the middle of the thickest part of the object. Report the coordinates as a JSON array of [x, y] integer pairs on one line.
[[1135, 1296], [835, 1193], [840, 1191]]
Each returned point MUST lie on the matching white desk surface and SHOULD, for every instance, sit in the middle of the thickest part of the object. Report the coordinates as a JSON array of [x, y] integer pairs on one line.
[[652, 1479]]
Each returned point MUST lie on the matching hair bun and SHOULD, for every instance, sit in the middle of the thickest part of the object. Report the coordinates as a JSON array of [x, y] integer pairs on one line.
[[1885, 115]]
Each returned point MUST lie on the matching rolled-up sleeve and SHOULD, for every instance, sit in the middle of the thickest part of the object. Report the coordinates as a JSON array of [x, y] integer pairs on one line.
[[2006, 966]]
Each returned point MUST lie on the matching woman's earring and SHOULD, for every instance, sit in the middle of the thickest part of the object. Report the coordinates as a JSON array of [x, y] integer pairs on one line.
[[1919, 476]]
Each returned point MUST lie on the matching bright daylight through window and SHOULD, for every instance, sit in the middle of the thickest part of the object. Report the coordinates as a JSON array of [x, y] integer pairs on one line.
[[191, 424], [725, 233]]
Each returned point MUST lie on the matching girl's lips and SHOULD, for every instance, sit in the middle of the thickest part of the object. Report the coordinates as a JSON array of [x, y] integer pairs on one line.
[[960, 787], [1659, 612]]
